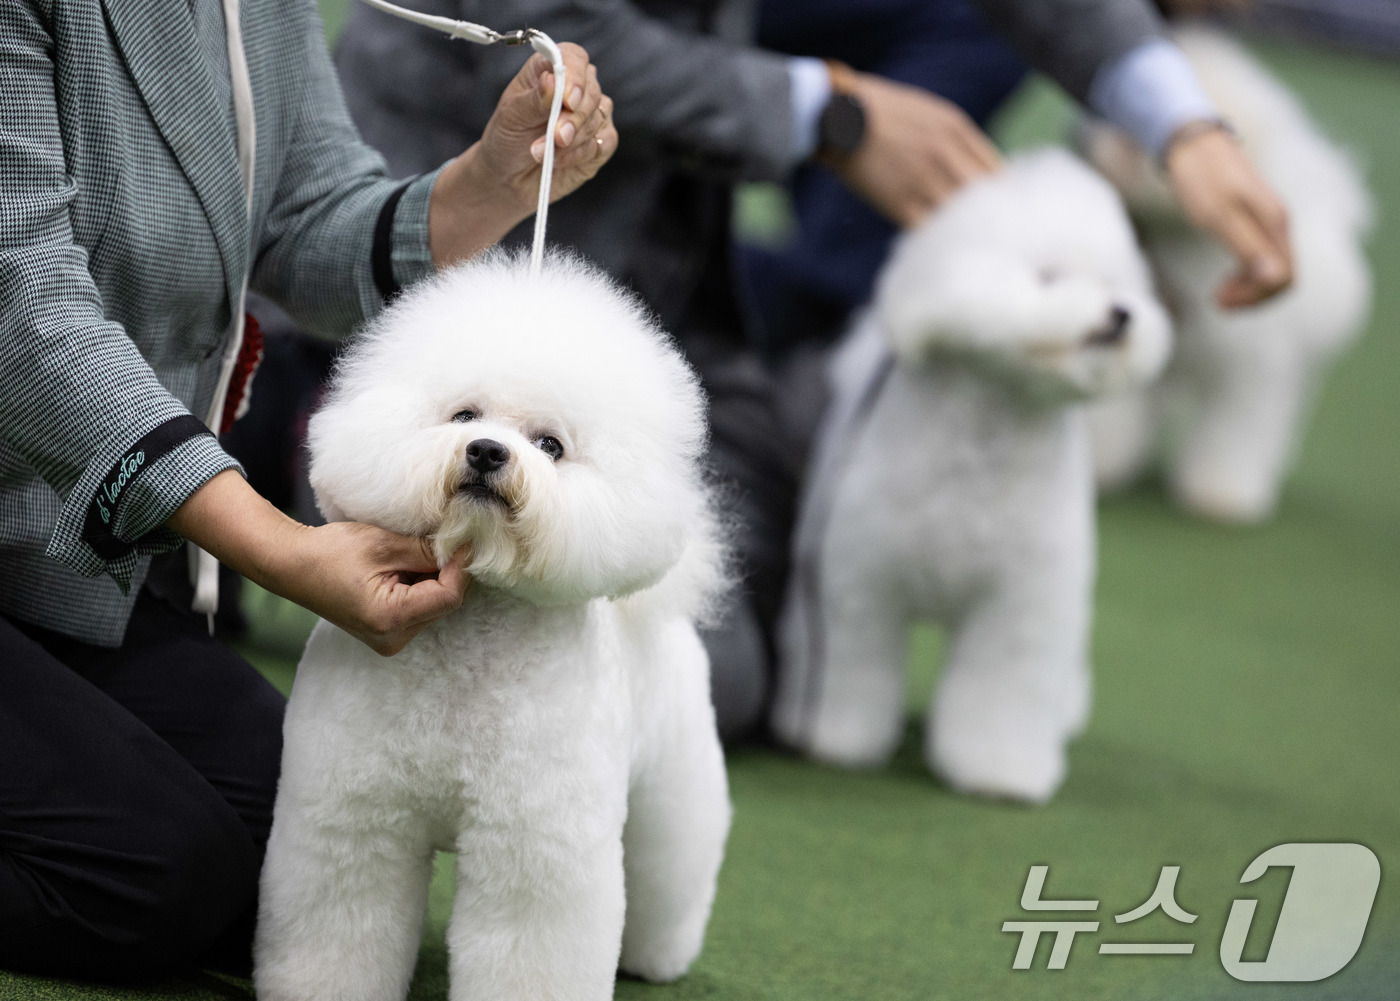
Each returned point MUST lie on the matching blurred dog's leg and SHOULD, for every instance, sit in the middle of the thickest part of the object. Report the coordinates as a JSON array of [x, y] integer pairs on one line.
[[1241, 439]]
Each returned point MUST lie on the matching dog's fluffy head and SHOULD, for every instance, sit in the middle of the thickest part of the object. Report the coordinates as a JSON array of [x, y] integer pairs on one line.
[[543, 419], [1034, 274]]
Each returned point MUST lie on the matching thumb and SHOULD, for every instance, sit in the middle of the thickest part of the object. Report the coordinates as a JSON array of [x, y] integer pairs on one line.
[[453, 576], [433, 597], [411, 554]]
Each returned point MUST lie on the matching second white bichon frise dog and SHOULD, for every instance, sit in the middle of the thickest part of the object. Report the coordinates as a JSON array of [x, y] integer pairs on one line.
[[952, 482], [1229, 413], [555, 731]]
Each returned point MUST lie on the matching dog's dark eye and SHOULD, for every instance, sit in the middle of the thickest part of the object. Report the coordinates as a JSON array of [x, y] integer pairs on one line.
[[462, 416], [550, 446]]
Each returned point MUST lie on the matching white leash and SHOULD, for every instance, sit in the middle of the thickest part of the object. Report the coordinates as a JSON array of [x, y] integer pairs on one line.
[[541, 43]]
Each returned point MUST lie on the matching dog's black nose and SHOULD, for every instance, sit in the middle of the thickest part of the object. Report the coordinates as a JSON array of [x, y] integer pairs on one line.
[[486, 456], [1114, 330]]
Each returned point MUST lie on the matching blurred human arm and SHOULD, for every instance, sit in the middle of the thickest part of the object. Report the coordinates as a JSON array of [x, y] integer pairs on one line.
[[1111, 56], [1223, 195]]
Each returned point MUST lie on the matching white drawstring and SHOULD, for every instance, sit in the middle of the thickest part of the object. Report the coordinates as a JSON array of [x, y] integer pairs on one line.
[[541, 43], [204, 569]]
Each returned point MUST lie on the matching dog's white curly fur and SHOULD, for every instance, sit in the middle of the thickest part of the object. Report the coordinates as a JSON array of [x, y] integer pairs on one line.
[[1237, 394], [959, 489], [556, 731]]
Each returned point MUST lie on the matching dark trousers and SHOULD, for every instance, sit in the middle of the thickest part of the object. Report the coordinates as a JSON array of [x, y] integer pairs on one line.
[[136, 791]]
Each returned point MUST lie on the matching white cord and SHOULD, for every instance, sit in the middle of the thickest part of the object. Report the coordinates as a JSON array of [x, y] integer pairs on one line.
[[541, 43]]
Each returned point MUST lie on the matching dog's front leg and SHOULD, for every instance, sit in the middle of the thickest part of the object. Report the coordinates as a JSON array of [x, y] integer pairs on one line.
[[539, 903], [1016, 686], [340, 911]]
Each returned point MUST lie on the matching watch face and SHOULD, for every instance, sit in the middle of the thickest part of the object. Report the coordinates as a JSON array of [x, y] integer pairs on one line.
[[842, 125]]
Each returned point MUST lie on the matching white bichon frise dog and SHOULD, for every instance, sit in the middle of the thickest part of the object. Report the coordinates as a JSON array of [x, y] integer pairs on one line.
[[1239, 387], [555, 731], [952, 482]]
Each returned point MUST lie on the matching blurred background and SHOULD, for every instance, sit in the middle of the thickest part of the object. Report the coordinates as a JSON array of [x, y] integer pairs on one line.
[[1247, 693]]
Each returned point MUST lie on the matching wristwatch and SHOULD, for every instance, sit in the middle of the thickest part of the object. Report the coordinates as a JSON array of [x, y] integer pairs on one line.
[[841, 127]]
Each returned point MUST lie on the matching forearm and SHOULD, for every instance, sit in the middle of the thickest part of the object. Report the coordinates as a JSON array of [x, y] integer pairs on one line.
[[379, 587], [471, 208], [229, 519]]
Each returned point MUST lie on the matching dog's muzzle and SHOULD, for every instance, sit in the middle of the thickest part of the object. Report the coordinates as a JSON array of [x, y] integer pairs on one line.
[[1112, 332], [486, 458]]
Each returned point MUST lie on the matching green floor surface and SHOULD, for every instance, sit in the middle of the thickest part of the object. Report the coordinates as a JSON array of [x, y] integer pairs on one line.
[[1248, 694]]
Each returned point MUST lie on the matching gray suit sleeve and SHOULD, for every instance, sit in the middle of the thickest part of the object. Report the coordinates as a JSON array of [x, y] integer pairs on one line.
[[1070, 40], [724, 104], [314, 254], [684, 90]]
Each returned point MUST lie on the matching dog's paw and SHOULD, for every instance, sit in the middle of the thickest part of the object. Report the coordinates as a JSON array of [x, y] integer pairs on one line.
[[848, 737], [1221, 493], [657, 961], [1005, 752]]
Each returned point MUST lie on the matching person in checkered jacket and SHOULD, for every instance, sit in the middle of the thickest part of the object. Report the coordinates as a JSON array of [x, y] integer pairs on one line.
[[159, 159]]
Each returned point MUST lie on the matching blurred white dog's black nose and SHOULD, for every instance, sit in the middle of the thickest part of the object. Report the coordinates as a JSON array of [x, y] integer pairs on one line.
[[486, 455], [1114, 330]]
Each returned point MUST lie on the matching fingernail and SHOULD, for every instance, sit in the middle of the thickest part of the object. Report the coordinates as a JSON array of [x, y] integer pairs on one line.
[[575, 97], [566, 132], [537, 150]]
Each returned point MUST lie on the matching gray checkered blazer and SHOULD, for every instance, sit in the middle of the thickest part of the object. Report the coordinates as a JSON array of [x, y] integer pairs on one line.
[[123, 242]]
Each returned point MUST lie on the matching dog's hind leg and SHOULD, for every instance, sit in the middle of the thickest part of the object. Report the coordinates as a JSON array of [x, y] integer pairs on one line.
[[340, 912], [841, 688], [678, 810]]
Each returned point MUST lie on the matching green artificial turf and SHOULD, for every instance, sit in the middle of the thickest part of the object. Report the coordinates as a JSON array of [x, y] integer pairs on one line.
[[1248, 694]]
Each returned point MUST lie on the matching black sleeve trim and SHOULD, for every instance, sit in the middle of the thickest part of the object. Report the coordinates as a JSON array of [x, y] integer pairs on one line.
[[381, 259], [154, 444]]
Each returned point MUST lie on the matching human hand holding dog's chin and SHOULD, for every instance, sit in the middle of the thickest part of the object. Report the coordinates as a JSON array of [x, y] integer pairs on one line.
[[1221, 193], [485, 192], [917, 150], [380, 587]]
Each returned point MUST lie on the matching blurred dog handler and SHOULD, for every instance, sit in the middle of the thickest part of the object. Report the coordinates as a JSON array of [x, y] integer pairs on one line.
[[703, 107], [1110, 57], [156, 156]]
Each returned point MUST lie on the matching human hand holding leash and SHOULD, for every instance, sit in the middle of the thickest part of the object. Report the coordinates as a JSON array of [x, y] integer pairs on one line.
[[1222, 194], [482, 194], [380, 587]]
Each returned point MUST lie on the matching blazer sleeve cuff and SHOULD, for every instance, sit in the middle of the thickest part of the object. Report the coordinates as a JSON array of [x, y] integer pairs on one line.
[[117, 510], [411, 255]]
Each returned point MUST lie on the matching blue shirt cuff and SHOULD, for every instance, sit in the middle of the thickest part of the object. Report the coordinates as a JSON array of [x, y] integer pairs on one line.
[[811, 90], [1149, 93]]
